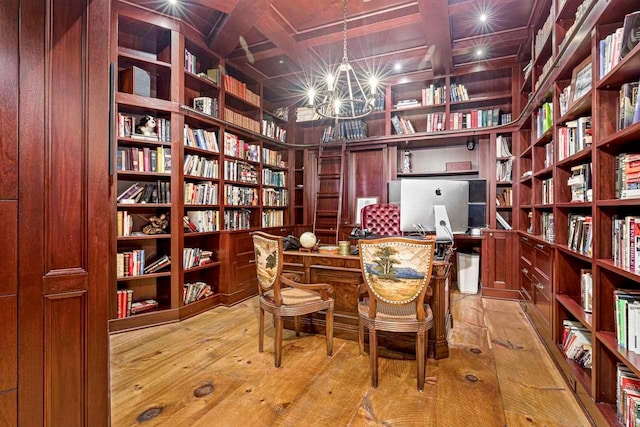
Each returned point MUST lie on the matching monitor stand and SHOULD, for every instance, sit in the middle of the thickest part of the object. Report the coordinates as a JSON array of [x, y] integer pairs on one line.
[[444, 233]]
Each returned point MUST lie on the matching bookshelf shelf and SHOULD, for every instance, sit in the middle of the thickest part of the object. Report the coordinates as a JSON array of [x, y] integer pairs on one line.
[[547, 136], [481, 100], [574, 205], [191, 78], [199, 306], [150, 65], [580, 157], [504, 183], [273, 167], [274, 207], [527, 152], [631, 359], [544, 172], [241, 100], [608, 411], [156, 317], [627, 70], [569, 251], [419, 108], [200, 151], [201, 206], [144, 276], [608, 264], [618, 202], [200, 178], [240, 159], [202, 267], [200, 234], [581, 374], [143, 237], [543, 206], [143, 142], [626, 135], [143, 174], [143, 205], [245, 184], [545, 51], [438, 173], [575, 309], [277, 187], [504, 207], [146, 104], [578, 108], [241, 207]]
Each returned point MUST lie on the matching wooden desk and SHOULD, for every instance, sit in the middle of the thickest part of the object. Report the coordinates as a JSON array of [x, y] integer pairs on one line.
[[343, 272]]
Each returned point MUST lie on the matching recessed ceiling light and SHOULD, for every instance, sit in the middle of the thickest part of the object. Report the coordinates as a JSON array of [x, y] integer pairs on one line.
[[397, 66], [173, 2], [483, 17], [479, 52], [281, 61]]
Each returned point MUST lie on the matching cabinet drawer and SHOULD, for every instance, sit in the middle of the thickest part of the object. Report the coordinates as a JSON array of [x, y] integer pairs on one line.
[[542, 303], [543, 261], [525, 280], [542, 285], [526, 250], [280, 231]]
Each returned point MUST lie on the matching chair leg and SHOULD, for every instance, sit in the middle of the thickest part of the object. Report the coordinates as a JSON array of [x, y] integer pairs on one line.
[[296, 320], [329, 331], [361, 335], [261, 331], [373, 354], [278, 343], [420, 338]]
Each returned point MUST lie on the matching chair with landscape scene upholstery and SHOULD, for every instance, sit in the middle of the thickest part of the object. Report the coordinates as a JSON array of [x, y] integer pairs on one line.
[[381, 219], [282, 295], [396, 273]]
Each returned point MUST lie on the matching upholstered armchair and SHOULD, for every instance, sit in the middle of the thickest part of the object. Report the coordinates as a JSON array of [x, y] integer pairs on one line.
[[396, 273], [282, 295], [382, 219]]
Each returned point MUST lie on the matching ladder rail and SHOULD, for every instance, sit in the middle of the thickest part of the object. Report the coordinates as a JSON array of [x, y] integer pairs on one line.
[[323, 213]]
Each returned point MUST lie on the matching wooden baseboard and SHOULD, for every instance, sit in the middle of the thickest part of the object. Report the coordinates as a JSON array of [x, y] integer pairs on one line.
[[510, 294]]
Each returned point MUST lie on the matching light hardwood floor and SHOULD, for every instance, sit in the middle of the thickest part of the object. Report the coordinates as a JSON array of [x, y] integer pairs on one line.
[[498, 374]]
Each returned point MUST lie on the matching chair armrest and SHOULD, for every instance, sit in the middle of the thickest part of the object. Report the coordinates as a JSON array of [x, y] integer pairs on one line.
[[291, 276], [324, 288], [362, 289]]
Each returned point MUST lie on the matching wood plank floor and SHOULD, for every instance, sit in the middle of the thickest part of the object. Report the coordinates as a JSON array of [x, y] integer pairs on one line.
[[206, 371]]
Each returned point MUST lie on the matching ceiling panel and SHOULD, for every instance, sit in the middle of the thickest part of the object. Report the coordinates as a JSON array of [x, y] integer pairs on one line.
[[500, 17]]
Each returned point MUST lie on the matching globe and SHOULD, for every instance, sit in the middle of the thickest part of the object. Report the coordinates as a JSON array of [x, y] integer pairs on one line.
[[308, 239]]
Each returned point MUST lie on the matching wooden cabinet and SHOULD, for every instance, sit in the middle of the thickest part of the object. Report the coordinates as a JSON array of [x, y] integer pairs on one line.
[[498, 258]]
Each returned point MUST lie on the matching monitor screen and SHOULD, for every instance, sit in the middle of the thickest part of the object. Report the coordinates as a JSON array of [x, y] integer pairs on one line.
[[417, 198]]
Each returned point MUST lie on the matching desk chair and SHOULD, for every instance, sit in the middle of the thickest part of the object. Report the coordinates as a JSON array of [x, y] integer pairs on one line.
[[396, 273], [282, 295], [382, 219]]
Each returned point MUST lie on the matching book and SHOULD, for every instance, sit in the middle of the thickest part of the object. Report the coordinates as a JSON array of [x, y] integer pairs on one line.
[[630, 33]]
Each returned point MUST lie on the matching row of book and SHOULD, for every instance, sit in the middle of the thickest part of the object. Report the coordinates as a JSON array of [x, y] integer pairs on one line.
[[546, 227], [478, 119], [627, 166], [434, 95], [143, 159], [547, 191], [206, 105], [160, 132], [629, 105], [124, 224], [580, 183], [241, 120], [159, 192], [543, 33], [503, 146], [614, 47], [505, 198], [202, 221], [586, 290], [190, 62], [577, 343], [236, 147], [201, 138], [275, 198], [195, 165], [275, 178], [625, 244], [627, 396], [564, 100], [548, 154], [196, 257], [192, 292], [581, 10], [402, 126], [504, 169], [544, 118], [580, 233], [627, 318], [126, 307], [350, 130], [272, 218], [503, 222], [203, 193], [458, 93], [273, 130], [273, 158], [239, 89], [133, 263], [573, 137], [237, 219], [235, 170], [240, 196]]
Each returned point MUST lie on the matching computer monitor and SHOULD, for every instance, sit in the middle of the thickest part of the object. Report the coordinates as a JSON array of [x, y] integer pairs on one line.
[[418, 198]]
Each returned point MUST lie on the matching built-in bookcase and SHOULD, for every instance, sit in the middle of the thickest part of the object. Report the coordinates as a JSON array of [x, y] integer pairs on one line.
[[196, 100]]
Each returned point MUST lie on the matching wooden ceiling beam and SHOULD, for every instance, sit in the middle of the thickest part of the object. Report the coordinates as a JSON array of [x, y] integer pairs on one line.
[[244, 16], [511, 37], [437, 27], [226, 6]]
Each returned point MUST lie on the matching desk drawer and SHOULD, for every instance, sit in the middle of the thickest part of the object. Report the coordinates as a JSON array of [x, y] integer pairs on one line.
[[543, 261], [526, 249]]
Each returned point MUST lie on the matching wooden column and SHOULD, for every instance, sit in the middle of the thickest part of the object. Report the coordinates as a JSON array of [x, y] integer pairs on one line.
[[63, 209]]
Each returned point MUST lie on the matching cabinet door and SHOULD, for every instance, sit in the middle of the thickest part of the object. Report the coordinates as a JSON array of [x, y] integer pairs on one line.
[[498, 257]]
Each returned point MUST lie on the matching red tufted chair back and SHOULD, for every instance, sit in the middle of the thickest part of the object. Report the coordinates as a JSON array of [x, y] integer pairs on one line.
[[382, 219]]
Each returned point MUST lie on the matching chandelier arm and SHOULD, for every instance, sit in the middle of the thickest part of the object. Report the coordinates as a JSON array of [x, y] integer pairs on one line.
[[364, 94], [353, 111]]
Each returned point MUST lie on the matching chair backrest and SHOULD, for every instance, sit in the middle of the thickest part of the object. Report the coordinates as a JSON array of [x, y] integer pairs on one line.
[[397, 270], [382, 219], [268, 252]]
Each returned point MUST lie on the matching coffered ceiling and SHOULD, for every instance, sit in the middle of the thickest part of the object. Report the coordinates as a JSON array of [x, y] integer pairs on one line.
[[281, 42]]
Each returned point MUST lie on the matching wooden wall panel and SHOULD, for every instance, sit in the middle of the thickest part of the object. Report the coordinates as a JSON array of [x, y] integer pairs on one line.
[[367, 178], [8, 344], [64, 359], [9, 104], [8, 409], [66, 142], [8, 246]]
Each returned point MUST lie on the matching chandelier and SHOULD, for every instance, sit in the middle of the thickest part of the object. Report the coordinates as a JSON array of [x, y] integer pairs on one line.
[[341, 95]]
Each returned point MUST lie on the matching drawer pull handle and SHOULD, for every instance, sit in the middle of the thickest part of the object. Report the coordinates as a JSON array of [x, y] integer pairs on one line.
[[539, 286], [525, 271], [525, 239], [252, 261], [540, 246]]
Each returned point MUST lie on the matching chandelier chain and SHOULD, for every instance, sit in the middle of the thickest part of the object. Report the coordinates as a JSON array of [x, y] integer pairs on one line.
[[344, 33]]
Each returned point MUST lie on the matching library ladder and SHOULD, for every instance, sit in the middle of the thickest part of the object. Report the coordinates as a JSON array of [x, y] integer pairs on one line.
[[328, 207]]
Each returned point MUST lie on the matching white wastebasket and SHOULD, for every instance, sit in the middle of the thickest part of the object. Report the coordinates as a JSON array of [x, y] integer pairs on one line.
[[468, 272]]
